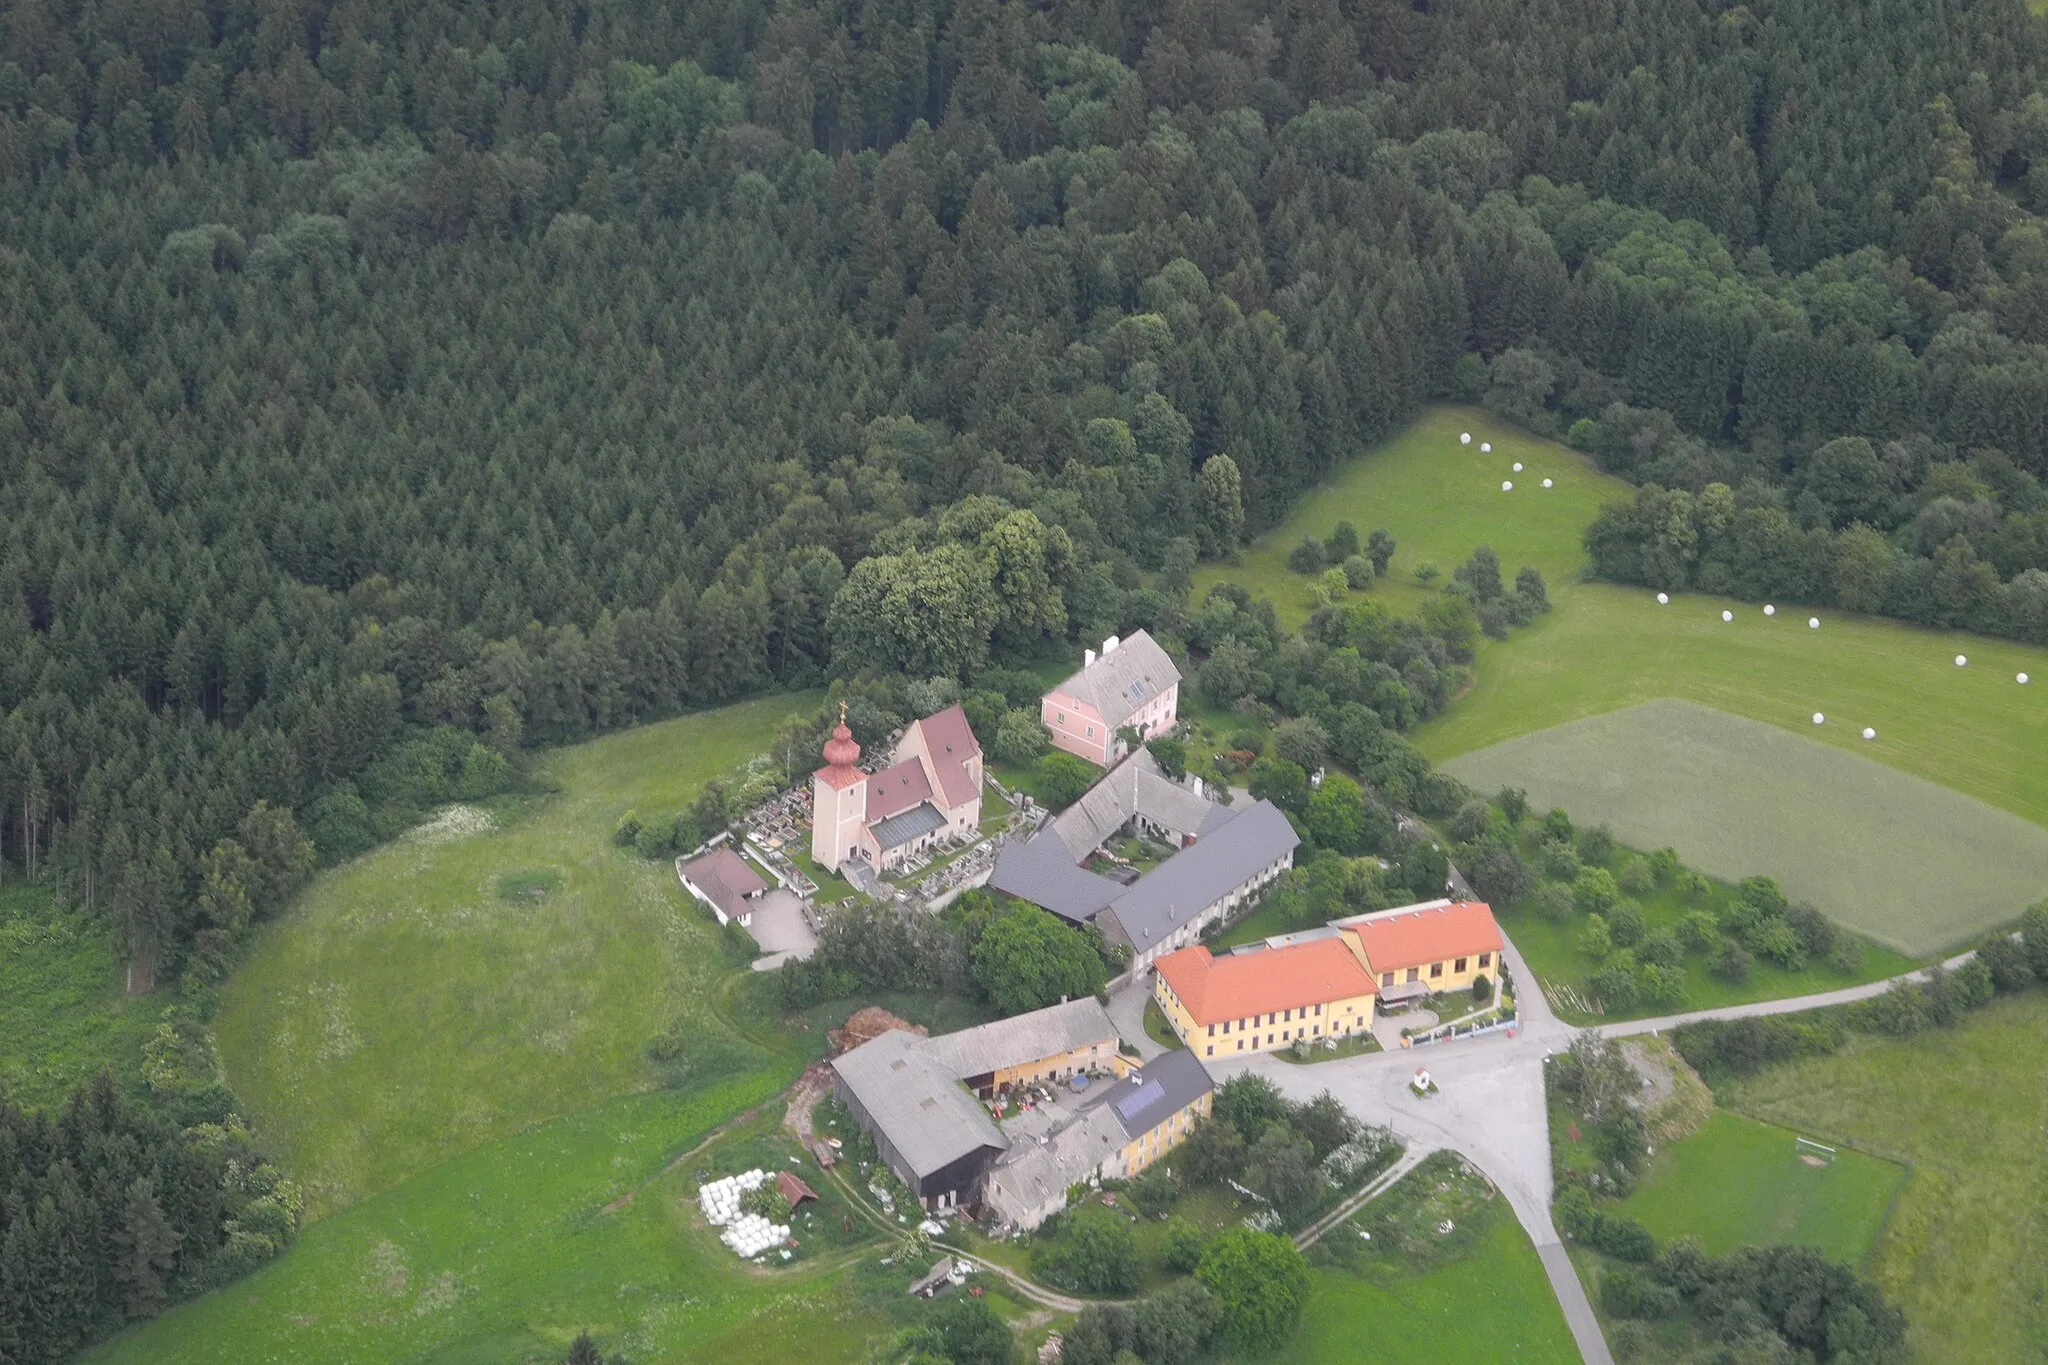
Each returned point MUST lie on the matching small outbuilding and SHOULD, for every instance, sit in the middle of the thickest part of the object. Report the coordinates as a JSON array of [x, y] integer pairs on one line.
[[794, 1191], [722, 880]]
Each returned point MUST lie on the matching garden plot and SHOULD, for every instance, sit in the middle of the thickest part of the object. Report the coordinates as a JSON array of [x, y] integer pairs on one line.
[[1908, 862]]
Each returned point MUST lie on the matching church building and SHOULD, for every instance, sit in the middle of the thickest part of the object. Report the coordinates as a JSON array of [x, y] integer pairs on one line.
[[929, 793]]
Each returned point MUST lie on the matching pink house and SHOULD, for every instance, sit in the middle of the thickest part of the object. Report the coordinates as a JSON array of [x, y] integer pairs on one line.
[[1131, 683]]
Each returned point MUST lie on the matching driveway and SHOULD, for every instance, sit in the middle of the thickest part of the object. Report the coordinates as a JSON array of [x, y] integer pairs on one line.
[[780, 929], [1127, 1012]]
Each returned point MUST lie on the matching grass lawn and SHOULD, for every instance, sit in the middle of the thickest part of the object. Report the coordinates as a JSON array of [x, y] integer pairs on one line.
[[63, 1014], [1605, 646], [1965, 1251], [404, 1012], [1442, 501], [1484, 1298], [1894, 856], [1736, 1182], [506, 1253]]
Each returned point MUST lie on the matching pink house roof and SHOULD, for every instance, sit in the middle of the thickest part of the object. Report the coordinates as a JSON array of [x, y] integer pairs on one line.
[[896, 789], [950, 744]]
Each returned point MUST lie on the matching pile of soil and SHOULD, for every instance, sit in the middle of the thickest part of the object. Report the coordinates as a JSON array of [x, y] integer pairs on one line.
[[867, 1025]]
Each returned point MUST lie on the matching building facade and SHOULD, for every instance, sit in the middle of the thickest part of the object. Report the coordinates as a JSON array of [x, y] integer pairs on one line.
[[1426, 949], [1132, 682], [930, 793], [1264, 999]]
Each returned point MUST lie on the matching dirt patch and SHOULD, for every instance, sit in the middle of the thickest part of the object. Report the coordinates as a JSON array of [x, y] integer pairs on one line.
[[1674, 1100], [867, 1025], [1812, 1160]]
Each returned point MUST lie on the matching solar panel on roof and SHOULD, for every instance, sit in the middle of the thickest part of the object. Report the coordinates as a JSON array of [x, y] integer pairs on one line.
[[1149, 1092], [1135, 690]]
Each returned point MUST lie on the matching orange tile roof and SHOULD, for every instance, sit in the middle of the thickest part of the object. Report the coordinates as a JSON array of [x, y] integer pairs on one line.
[[1239, 985], [1394, 940]]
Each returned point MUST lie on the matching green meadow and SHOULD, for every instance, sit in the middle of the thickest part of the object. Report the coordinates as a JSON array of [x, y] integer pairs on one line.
[[506, 1253], [1965, 1109], [1478, 1294], [1897, 857], [1605, 647], [1736, 1182], [492, 970]]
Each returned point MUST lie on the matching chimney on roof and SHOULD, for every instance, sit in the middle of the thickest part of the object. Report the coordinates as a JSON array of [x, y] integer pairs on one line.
[[1087, 658], [1109, 646]]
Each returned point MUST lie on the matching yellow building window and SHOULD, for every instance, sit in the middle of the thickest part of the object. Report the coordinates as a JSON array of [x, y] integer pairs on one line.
[[1459, 965], [1436, 969]]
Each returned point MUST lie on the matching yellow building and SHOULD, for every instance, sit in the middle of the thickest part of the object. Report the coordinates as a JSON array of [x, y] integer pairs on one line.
[[1032, 1049], [1265, 998], [1113, 1136], [1418, 950]]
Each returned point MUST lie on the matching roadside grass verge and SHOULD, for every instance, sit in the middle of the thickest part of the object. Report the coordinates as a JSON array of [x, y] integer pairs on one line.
[[1897, 857], [63, 1014], [1737, 1182], [1965, 1251], [1476, 1293], [406, 1010]]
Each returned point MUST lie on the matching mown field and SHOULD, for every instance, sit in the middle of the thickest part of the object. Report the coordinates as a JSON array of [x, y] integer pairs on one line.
[[1736, 1182], [1965, 1251], [413, 1006], [1900, 858], [1605, 647]]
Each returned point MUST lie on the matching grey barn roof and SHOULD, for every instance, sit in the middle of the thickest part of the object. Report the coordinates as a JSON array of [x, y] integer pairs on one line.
[[1167, 1085], [1024, 1038], [901, 828], [921, 1109], [1197, 877], [1136, 786], [1038, 870], [1123, 680]]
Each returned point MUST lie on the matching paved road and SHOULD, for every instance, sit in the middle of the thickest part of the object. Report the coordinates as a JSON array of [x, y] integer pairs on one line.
[[1127, 1012], [1490, 1106]]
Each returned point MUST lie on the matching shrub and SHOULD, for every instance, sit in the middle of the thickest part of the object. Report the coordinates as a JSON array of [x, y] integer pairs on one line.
[[1615, 986], [1261, 1282], [1342, 543], [1637, 877], [1596, 844], [1731, 962], [1357, 571], [1625, 923], [1699, 931], [1064, 778], [1777, 940], [1695, 885], [1557, 824], [1093, 1251], [1020, 738], [1816, 931], [1560, 861], [1847, 955], [1664, 865], [1302, 741], [1482, 990], [1183, 1248], [1626, 1293], [1553, 901], [1594, 939], [1472, 822], [1307, 556], [1660, 985], [1595, 891], [1661, 948]]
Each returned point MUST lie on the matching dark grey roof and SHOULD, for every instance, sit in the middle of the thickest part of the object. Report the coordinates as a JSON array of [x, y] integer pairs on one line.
[[1024, 1038], [920, 819], [1168, 1084], [1135, 786], [1039, 871], [1122, 681], [1198, 876], [916, 1103]]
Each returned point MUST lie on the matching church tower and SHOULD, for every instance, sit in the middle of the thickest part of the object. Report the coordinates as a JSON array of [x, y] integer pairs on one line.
[[839, 799]]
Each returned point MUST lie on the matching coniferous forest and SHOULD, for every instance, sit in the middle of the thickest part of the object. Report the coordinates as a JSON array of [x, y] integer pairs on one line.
[[388, 387]]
